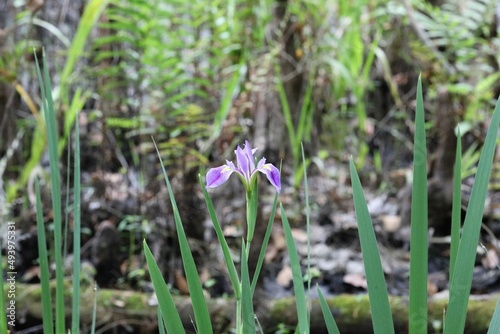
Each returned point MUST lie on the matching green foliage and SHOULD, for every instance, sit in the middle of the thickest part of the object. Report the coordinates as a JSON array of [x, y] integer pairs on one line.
[[52, 139], [377, 288], [331, 325], [456, 219], [419, 224], [48, 326], [52, 134], [60, 95], [166, 304], [466, 254], [298, 282], [464, 55], [75, 316], [184, 64]]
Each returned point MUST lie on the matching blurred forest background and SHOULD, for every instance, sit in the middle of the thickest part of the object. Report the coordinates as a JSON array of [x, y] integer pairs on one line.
[[202, 76]]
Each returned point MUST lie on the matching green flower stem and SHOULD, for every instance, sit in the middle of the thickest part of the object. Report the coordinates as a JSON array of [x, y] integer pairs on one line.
[[239, 324]]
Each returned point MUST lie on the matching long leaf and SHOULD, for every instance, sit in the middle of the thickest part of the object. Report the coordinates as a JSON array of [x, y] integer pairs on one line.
[[166, 303], [233, 274], [200, 309], [298, 282], [377, 288], [247, 314], [331, 325], [456, 207], [265, 242], [52, 135], [462, 276], [419, 224], [495, 320], [47, 315], [75, 320]]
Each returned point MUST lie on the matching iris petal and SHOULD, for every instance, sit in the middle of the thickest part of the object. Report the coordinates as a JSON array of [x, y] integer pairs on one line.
[[273, 175], [219, 175]]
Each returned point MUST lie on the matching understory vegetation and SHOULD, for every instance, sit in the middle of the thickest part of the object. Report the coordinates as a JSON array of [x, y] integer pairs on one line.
[[115, 114]]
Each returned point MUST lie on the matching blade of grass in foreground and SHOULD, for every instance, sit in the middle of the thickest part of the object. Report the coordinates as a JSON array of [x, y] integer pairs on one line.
[[377, 289], [233, 274], [298, 282], [161, 324], [165, 301], [200, 308], [419, 224], [55, 177], [94, 311], [265, 242], [44, 265], [456, 214], [247, 315], [331, 325], [495, 320], [466, 256], [75, 317]]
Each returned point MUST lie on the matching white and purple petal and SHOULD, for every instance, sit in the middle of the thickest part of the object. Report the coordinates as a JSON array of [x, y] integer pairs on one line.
[[218, 175], [273, 175]]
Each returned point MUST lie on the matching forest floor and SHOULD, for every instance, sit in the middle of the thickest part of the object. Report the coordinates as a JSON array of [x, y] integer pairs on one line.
[[114, 228]]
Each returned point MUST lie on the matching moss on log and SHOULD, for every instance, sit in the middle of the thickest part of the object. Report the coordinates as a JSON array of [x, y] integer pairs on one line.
[[351, 312]]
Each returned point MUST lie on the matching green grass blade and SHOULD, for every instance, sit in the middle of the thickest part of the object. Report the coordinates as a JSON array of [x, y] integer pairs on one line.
[[308, 230], [165, 300], [47, 315], [200, 308], [495, 320], [462, 276], [232, 89], [456, 218], [94, 311], [331, 325], [377, 288], [161, 324], [419, 225], [233, 274], [75, 319], [52, 139], [247, 314], [265, 242], [90, 15], [298, 282]]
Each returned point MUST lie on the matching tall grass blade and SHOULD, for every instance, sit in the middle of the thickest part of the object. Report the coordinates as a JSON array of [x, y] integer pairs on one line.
[[495, 320], [52, 139], [47, 315], [75, 318], [233, 274], [94, 311], [331, 325], [456, 215], [466, 256], [200, 308], [308, 230], [265, 242], [419, 224], [90, 15], [165, 300], [377, 288], [161, 324], [247, 314], [298, 282]]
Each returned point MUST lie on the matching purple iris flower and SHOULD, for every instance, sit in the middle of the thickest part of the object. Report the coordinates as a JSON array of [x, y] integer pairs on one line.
[[245, 168]]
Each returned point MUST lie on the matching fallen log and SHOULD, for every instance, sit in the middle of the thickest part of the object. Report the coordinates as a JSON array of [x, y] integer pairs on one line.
[[351, 312]]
